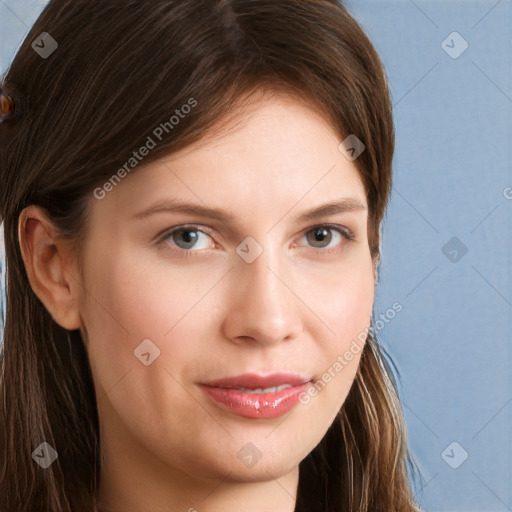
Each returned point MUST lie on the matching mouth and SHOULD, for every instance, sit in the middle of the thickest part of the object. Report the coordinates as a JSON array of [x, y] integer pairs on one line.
[[253, 381], [257, 396]]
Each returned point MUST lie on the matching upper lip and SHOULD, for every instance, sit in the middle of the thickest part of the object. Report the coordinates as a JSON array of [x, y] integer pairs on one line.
[[254, 380]]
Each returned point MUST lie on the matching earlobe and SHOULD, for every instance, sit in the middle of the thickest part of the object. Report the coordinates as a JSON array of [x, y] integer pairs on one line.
[[47, 263]]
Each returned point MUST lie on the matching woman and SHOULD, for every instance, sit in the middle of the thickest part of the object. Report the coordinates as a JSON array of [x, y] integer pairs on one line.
[[192, 194]]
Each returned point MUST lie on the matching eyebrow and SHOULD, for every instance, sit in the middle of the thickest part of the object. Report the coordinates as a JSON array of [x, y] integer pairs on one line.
[[342, 205]]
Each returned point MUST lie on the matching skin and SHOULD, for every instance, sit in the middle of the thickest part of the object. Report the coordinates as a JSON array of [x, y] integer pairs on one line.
[[296, 308]]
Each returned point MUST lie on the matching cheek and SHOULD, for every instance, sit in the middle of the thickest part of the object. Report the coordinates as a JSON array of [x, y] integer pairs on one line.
[[131, 301], [344, 304], [130, 304], [139, 300], [125, 306]]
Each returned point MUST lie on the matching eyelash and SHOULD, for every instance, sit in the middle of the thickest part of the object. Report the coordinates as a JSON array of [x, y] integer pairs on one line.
[[190, 253]]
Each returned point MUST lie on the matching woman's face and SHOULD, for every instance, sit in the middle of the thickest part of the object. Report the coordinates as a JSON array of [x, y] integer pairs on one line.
[[253, 292]]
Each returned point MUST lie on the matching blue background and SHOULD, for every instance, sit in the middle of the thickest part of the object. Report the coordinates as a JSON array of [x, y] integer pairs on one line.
[[452, 340]]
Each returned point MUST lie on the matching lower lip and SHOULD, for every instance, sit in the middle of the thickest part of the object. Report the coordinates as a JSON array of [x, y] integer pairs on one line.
[[256, 405]]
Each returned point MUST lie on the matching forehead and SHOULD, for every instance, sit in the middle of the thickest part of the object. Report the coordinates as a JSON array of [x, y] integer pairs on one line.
[[280, 151]]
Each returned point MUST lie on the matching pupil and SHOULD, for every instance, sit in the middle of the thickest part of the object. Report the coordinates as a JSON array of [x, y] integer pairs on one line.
[[188, 236], [320, 235]]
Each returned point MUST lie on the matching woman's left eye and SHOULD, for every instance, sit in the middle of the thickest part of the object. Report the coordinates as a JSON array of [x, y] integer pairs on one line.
[[186, 238], [320, 237]]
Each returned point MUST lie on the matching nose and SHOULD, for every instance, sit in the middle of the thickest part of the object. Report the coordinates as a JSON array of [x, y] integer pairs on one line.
[[262, 307]]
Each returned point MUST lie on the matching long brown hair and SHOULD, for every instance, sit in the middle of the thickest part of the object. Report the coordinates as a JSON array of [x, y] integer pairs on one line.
[[121, 68]]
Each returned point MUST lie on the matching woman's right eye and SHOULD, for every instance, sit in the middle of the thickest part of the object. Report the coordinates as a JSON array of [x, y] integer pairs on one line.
[[187, 238]]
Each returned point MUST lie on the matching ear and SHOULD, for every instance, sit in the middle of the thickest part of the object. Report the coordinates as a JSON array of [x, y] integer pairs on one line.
[[49, 266]]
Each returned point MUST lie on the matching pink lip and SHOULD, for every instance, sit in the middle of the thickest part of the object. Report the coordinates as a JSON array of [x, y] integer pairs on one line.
[[253, 380], [257, 405]]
